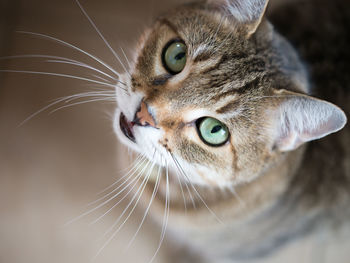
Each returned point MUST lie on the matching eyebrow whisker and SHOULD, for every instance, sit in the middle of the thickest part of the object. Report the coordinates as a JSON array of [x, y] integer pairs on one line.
[[64, 43], [102, 37]]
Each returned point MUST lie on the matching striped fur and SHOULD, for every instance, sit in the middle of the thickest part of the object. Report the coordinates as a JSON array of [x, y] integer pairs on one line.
[[241, 71]]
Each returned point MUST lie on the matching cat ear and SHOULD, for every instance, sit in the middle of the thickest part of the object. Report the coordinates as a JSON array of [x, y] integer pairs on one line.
[[246, 12], [300, 118]]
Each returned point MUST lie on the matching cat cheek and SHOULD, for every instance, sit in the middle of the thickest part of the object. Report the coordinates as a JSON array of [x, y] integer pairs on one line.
[[212, 176]]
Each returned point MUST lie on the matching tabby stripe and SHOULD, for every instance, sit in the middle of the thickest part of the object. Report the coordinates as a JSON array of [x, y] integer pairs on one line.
[[170, 25], [193, 153], [228, 107], [203, 56], [233, 104], [161, 80], [223, 59]]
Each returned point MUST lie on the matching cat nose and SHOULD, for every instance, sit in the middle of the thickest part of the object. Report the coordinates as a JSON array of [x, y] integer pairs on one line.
[[143, 117]]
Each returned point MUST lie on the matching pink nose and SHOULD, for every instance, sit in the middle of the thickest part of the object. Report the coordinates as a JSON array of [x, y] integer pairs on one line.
[[143, 117]]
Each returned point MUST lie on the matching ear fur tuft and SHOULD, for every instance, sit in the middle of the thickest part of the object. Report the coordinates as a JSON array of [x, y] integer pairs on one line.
[[302, 118], [246, 12]]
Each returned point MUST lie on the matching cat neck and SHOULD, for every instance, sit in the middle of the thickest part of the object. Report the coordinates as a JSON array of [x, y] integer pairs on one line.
[[202, 205]]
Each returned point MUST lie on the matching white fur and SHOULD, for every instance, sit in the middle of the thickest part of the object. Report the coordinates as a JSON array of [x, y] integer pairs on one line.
[[199, 50], [303, 119], [129, 103], [194, 114], [246, 11], [147, 138]]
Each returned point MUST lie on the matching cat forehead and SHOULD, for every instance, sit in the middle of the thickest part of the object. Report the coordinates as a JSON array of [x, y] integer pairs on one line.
[[207, 35], [197, 25], [224, 69], [220, 61]]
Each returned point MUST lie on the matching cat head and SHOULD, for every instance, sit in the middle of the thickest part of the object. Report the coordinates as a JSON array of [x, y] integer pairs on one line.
[[216, 93]]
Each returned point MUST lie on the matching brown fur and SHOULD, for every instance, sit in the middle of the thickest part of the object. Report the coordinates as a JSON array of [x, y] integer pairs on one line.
[[244, 73]]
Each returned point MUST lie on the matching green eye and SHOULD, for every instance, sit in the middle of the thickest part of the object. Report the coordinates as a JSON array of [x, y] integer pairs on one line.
[[174, 56], [212, 131]]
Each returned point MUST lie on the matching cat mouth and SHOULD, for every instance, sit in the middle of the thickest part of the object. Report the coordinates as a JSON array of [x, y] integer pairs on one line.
[[126, 127]]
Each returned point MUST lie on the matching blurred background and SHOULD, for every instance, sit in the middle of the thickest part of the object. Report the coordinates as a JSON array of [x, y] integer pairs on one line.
[[55, 163]]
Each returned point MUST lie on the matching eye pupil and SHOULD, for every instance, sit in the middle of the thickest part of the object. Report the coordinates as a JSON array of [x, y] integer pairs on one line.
[[180, 56], [216, 129]]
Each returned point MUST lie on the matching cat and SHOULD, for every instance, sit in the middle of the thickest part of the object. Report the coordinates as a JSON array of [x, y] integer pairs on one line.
[[225, 105]]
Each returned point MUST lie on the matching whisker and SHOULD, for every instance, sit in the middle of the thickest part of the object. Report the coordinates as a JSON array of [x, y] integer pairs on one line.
[[101, 78], [190, 194], [80, 64], [91, 94], [181, 188], [186, 185], [182, 192], [58, 75], [149, 172], [166, 214], [143, 185], [58, 59], [79, 103], [197, 193], [47, 107], [117, 203], [109, 94], [52, 74], [131, 173], [73, 47], [126, 58], [102, 37], [155, 190], [138, 199], [105, 202], [137, 161], [240, 200], [137, 177], [39, 111]]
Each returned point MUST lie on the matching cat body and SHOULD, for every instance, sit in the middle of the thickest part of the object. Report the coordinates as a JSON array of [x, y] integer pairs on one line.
[[262, 188]]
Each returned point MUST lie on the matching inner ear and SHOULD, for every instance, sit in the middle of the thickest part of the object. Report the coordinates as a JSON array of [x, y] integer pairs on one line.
[[299, 118], [247, 13]]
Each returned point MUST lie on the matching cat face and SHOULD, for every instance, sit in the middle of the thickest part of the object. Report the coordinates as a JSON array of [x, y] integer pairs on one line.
[[212, 94]]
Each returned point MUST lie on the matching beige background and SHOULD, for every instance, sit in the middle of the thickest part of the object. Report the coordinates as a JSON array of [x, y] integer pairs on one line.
[[54, 164]]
